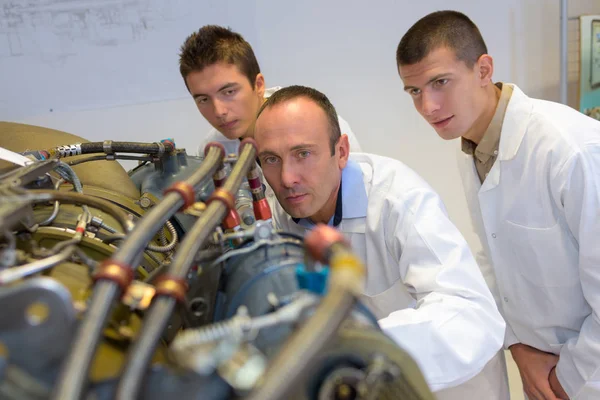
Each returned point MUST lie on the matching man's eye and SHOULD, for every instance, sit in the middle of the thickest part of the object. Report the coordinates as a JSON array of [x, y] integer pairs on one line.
[[441, 82], [415, 92], [304, 154], [230, 92], [270, 160], [201, 100]]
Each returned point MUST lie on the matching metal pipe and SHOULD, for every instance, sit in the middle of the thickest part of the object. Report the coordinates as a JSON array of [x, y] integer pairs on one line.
[[13, 274], [74, 372], [304, 346], [78, 198], [73, 378], [564, 53], [160, 310], [54, 214]]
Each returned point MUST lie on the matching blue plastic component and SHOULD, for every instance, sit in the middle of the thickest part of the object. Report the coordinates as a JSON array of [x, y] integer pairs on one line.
[[313, 281]]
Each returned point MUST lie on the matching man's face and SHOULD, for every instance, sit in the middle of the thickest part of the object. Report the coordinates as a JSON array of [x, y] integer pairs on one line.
[[295, 155], [447, 93], [226, 99]]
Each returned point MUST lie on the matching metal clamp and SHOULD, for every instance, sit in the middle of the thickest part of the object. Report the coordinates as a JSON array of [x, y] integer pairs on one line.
[[107, 147], [186, 191], [172, 287], [224, 197], [161, 149], [120, 274]]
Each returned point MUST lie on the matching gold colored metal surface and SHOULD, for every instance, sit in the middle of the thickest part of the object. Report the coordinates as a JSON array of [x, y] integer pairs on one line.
[[172, 287], [139, 295], [109, 175]]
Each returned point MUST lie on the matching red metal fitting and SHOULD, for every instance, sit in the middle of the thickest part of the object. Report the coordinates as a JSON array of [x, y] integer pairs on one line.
[[232, 220], [262, 211]]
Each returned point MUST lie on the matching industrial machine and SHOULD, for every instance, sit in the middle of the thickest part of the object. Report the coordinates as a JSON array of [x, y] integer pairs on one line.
[[170, 280]]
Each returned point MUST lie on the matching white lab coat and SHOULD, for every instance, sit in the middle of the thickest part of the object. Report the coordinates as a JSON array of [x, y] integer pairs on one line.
[[537, 215], [232, 145], [422, 281]]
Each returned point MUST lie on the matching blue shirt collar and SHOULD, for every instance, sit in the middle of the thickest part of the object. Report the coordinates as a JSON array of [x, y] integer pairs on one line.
[[353, 201]]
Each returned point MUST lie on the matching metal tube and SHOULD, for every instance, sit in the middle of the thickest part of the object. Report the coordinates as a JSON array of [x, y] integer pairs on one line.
[[345, 281], [564, 54], [73, 379], [304, 346], [140, 353], [74, 373], [154, 325], [78, 198], [12, 274]]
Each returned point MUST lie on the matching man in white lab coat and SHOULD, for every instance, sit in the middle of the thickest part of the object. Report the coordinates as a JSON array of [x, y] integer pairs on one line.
[[222, 74], [531, 172], [422, 281]]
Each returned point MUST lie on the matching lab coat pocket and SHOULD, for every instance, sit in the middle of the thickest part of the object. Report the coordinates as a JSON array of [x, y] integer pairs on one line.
[[544, 256], [395, 298]]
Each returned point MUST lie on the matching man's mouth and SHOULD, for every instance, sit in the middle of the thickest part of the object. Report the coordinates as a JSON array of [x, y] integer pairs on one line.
[[297, 198], [229, 125], [440, 123]]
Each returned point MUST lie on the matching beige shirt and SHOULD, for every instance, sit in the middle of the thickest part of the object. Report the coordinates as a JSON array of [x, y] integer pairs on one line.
[[485, 153]]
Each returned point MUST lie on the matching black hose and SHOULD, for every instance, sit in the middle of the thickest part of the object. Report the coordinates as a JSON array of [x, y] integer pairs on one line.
[[126, 147], [160, 310], [74, 373]]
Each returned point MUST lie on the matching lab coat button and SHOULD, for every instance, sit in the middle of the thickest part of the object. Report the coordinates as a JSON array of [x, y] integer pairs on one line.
[[506, 299], [495, 152], [494, 235]]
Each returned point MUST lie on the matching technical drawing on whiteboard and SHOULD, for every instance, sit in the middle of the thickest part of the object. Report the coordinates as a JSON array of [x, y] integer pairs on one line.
[[595, 56], [52, 30]]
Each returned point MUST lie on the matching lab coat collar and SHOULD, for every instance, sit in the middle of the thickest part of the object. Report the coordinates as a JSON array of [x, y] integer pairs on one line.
[[515, 124], [353, 200], [514, 127]]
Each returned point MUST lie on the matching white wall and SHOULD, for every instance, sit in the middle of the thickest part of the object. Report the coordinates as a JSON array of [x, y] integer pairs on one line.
[[344, 48]]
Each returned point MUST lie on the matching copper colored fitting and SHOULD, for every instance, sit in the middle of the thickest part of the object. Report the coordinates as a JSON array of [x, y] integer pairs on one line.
[[223, 196], [120, 274], [319, 241], [185, 190], [171, 287]]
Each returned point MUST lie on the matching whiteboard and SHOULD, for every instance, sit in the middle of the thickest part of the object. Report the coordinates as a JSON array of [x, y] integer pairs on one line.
[[595, 56], [71, 55]]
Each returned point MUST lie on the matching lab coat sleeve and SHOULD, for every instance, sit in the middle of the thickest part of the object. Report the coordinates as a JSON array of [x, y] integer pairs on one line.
[[578, 369], [345, 129], [455, 327]]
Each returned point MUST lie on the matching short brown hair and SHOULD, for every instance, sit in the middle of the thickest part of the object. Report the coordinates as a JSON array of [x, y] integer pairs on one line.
[[213, 44], [296, 91], [450, 29]]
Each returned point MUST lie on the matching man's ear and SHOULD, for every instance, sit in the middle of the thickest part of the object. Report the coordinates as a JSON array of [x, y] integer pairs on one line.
[[259, 85], [485, 69], [343, 149]]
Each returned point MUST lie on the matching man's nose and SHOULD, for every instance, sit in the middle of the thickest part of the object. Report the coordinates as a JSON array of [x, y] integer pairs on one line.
[[429, 104]]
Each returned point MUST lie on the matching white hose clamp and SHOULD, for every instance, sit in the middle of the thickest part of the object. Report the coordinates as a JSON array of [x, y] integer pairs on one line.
[[107, 147]]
